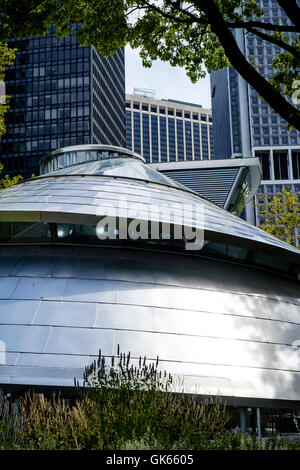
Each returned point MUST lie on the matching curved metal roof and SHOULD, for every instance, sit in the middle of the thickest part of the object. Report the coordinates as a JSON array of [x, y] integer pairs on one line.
[[92, 147], [85, 192], [118, 167]]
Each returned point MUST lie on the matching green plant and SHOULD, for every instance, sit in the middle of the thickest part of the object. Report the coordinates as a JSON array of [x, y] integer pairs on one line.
[[7, 181], [54, 424], [235, 440], [137, 401], [7, 57], [282, 215], [293, 444], [10, 424]]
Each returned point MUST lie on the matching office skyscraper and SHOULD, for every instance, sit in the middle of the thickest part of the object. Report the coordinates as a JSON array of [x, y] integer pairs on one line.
[[246, 125], [168, 130], [61, 94]]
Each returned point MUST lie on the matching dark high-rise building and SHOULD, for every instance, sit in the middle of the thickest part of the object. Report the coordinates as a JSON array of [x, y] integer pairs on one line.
[[61, 94], [245, 125], [243, 122]]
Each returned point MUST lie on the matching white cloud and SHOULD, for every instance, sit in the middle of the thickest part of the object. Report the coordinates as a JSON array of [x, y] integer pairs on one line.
[[167, 81]]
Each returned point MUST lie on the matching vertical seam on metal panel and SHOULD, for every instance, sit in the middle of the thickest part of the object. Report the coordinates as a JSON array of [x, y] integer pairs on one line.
[[36, 312], [47, 340]]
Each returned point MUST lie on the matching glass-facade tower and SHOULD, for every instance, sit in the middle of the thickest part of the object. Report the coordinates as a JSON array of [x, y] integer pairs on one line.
[[168, 130], [61, 94], [243, 120]]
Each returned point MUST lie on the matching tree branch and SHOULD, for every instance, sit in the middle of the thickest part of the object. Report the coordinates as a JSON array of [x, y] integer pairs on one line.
[[276, 41], [129, 12], [292, 10], [246, 70], [262, 25], [177, 7], [166, 15]]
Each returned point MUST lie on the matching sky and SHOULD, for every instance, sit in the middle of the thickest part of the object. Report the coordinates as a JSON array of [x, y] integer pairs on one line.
[[167, 81]]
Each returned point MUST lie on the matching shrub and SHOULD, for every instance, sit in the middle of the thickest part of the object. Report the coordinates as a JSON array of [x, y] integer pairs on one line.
[[235, 440], [10, 424], [137, 402]]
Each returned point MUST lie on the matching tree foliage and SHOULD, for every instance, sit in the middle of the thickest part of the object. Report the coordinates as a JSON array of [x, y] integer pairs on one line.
[[7, 57], [196, 35], [282, 215], [8, 181]]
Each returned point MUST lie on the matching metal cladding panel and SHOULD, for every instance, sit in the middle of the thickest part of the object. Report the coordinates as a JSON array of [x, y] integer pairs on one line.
[[14, 311], [43, 266], [65, 361], [187, 322], [80, 341], [7, 286], [214, 184], [224, 329], [184, 349], [7, 264], [119, 167], [39, 288], [25, 338], [79, 268], [73, 314]]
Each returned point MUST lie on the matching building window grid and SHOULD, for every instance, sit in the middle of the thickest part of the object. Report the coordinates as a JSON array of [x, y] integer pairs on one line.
[[70, 85], [146, 136], [155, 143], [269, 51], [137, 132], [171, 140], [197, 146], [167, 137], [295, 158], [188, 141], [164, 140], [180, 140], [204, 141]]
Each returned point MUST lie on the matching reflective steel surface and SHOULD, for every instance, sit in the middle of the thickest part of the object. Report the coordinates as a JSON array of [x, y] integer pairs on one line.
[[225, 327], [66, 196]]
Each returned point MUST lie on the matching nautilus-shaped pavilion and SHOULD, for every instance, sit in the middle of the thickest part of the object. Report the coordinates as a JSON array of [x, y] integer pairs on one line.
[[223, 315]]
